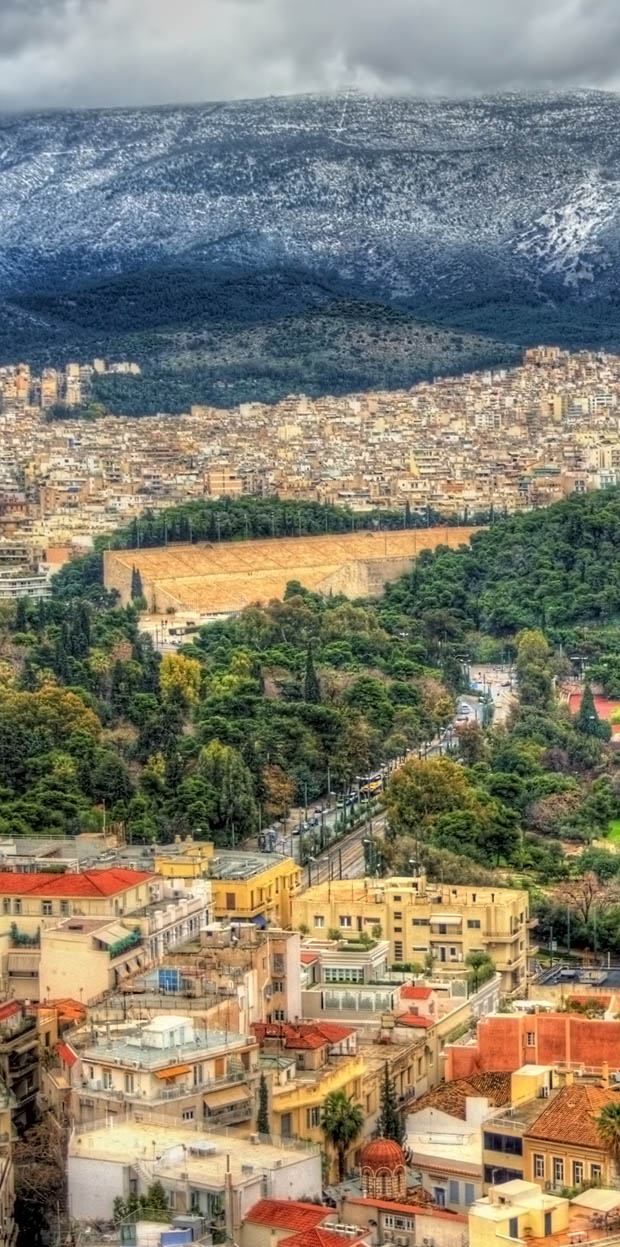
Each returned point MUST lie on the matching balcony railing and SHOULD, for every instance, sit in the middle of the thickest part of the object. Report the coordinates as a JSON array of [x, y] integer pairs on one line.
[[95, 1087]]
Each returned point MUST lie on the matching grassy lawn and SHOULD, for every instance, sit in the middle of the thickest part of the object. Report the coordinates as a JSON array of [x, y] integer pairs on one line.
[[613, 833]]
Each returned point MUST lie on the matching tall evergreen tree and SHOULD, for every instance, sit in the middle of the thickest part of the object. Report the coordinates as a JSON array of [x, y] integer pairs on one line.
[[136, 584], [390, 1120], [262, 1119], [587, 720], [407, 514], [21, 615], [312, 688]]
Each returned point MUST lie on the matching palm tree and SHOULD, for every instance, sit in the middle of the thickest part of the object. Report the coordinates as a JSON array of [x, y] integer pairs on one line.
[[341, 1123], [608, 1126]]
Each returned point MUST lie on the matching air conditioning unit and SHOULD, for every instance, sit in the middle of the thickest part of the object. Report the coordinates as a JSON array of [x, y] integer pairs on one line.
[[428, 1242], [402, 1240], [543, 1093]]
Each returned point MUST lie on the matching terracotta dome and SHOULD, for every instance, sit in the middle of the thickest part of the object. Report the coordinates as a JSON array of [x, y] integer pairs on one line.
[[382, 1166], [382, 1154]]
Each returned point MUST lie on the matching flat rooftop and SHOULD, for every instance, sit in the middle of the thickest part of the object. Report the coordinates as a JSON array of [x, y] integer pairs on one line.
[[150, 1057], [241, 866], [132, 1141]]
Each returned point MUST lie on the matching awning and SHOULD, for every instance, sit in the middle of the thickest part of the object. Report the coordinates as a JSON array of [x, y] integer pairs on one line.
[[598, 1200], [173, 1071], [66, 1054], [260, 920], [227, 1096], [451, 918], [23, 963]]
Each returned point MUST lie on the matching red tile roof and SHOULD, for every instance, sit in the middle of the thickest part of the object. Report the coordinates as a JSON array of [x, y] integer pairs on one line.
[[571, 1116], [319, 1236], [414, 1019], [410, 992], [302, 1035], [387, 1205], [287, 1214], [92, 883], [309, 958]]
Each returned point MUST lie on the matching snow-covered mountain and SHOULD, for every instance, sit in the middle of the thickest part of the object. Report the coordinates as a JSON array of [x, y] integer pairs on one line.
[[410, 199]]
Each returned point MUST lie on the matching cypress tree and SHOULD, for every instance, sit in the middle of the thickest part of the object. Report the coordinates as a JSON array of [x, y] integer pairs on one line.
[[390, 1121], [407, 514], [136, 584], [21, 616], [312, 688], [262, 1119], [587, 720]]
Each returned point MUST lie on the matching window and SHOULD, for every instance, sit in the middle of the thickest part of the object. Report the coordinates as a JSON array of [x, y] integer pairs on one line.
[[198, 1075], [107, 1079], [398, 917], [343, 974], [443, 930], [46, 907], [473, 924], [595, 1173], [470, 1193], [398, 930], [64, 908], [577, 1172], [231, 900], [530, 1039], [187, 1114], [455, 1192], [129, 1083], [513, 1227], [439, 1195], [420, 922], [278, 1015], [539, 1166], [17, 907], [286, 1126], [345, 920], [558, 1171], [6, 905], [319, 920], [313, 1117], [278, 985], [398, 950], [507, 1143]]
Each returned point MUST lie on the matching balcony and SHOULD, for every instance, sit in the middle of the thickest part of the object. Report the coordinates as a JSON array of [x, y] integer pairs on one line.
[[95, 1087]]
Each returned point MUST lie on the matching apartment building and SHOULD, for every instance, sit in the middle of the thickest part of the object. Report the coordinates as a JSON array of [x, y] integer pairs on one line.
[[517, 1210], [203, 1172], [57, 940], [25, 1033], [506, 1041], [254, 887], [303, 1063], [421, 919], [173, 1067]]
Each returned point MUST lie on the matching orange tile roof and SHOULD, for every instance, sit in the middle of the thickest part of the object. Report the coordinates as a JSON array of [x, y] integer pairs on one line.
[[571, 1116], [307, 959], [287, 1214], [302, 1035], [93, 883], [451, 1097], [410, 992]]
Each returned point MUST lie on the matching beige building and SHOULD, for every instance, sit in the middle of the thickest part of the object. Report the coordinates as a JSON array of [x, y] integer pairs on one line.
[[420, 918], [172, 1067]]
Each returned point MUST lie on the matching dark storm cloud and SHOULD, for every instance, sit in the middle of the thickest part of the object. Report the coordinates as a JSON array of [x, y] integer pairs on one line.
[[131, 51]]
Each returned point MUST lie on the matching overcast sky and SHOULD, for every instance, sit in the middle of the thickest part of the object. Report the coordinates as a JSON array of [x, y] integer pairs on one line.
[[85, 52]]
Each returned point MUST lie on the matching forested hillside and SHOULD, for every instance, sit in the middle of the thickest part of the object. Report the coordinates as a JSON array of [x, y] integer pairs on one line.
[[251, 714]]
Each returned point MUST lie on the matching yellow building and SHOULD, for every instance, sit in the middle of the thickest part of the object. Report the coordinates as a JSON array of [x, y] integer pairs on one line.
[[8, 1229], [445, 921], [253, 887], [516, 1211], [296, 1106], [563, 1146]]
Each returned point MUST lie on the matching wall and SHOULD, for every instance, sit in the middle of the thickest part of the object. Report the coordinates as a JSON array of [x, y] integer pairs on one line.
[[93, 1185], [502, 1043], [301, 1181]]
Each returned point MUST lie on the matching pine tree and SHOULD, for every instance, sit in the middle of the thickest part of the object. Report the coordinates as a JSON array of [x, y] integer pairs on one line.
[[407, 514], [312, 688], [587, 720], [390, 1121], [262, 1119]]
